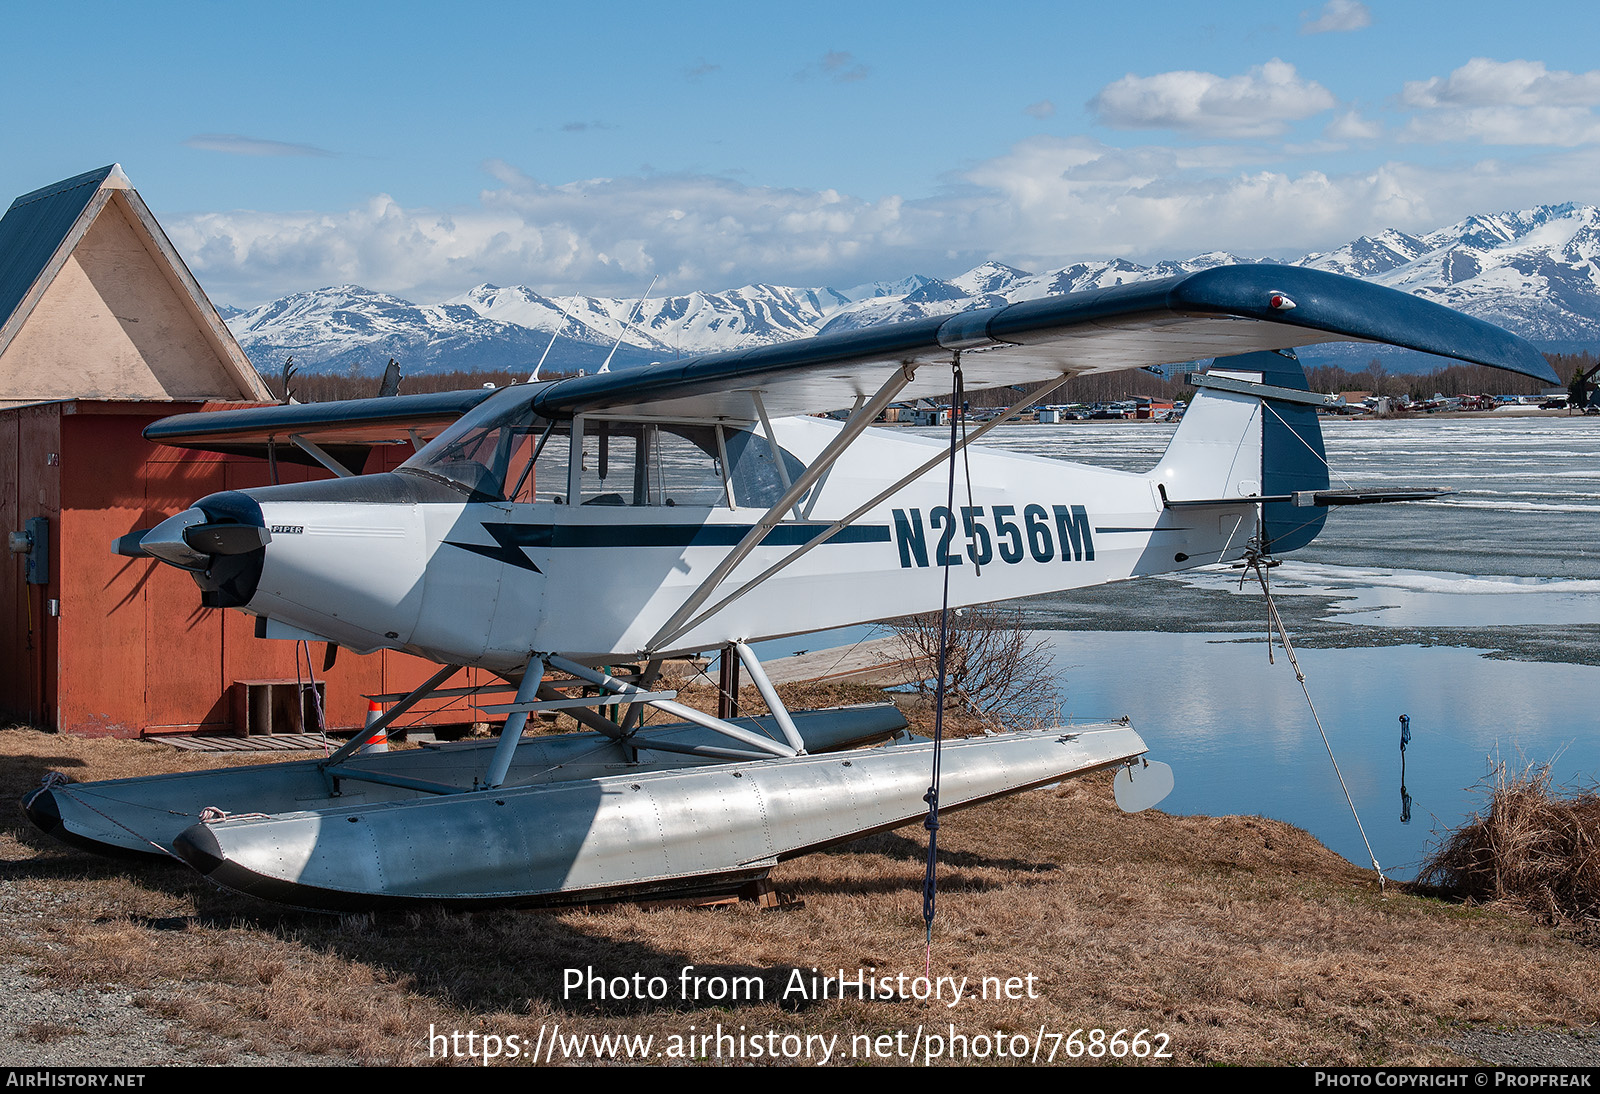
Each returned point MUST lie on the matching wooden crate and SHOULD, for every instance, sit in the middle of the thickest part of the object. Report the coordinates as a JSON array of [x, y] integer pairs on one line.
[[264, 707]]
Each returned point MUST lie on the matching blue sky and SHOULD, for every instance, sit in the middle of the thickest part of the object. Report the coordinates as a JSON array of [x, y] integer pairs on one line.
[[422, 149]]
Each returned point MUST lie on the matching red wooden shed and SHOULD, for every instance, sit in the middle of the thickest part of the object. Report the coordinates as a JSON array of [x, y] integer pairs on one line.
[[102, 331]]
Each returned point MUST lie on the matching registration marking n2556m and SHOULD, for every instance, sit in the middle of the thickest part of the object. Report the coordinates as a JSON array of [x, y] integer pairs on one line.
[[1061, 531]]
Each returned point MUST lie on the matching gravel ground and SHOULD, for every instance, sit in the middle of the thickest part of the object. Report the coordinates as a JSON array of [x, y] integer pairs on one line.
[[44, 1026], [1530, 1047]]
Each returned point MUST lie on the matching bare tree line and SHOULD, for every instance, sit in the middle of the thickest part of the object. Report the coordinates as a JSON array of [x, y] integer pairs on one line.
[[334, 386], [1099, 388]]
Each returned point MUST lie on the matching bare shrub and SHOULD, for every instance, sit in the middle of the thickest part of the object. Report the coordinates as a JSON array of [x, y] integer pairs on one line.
[[1533, 848], [996, 669]]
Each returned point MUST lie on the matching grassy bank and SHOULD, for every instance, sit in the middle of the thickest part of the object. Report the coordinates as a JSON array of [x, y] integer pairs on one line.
[[1242, 940]]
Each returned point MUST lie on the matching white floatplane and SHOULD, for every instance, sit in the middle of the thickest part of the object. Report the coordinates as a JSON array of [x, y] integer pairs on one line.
[[693, 505]]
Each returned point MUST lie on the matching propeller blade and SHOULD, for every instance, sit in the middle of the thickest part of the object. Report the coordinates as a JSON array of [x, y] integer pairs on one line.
[[132, 544]]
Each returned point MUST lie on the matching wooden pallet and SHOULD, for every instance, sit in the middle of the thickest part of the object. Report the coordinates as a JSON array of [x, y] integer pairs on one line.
[[276, 742]]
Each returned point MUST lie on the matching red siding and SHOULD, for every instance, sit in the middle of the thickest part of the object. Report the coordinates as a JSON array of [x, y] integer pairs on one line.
[[14, 692], [133, 652], [39, 495]]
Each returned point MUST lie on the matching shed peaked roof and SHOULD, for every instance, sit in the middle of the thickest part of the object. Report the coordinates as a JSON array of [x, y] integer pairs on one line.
[[183, 350], [34, 229]]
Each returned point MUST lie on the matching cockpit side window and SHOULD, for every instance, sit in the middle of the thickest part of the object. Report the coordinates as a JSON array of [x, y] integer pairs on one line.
[[673, 464], [753, 465]]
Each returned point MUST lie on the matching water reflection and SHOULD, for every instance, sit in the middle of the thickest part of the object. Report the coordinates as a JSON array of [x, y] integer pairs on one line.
[[1239, 735]]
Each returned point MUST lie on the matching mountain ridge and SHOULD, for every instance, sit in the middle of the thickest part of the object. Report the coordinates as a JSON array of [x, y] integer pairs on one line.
[[1535, 271]]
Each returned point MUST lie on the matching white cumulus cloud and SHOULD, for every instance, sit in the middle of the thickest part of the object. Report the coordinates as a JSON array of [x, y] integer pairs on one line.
[[1044, 203], [1505, 102], [1483, 82], [1564, 127], [1259, 103], [1351, 126], [602, 236], [1336, 15]]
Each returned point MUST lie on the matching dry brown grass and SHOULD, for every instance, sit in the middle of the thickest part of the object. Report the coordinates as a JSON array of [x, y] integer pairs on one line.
[[1243, 939], [1532, 847]]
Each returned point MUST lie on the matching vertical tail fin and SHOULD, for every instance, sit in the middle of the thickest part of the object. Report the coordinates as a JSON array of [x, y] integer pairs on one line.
[[1233, 445]]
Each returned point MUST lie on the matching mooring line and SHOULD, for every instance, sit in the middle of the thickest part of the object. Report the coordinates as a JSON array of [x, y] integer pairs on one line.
[[930, 879], [1257, 565]]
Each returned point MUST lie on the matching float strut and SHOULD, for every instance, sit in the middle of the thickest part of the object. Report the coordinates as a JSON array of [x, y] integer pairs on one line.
[[511, 734], [769, 695]]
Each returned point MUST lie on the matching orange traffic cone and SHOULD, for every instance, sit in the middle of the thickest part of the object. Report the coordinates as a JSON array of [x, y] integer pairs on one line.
[[379, 741]]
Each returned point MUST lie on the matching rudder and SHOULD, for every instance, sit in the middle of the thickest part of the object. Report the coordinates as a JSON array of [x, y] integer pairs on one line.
[[1234, 445]]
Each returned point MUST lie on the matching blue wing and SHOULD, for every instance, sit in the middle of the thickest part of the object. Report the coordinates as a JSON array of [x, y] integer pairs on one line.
[[1220, 312]]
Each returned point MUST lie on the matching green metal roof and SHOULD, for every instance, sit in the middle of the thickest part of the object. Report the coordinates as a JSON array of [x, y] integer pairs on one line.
[[34, 228]]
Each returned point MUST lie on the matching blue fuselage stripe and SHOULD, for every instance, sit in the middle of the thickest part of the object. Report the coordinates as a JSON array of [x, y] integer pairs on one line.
[[677, 535]]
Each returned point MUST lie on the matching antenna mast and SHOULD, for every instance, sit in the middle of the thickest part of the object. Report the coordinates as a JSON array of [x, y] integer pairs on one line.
[[605, 368], [561, 326]]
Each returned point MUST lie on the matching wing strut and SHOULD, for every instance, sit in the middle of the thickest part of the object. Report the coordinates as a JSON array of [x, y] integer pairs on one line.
[[314, 450], [772, 439], [863, 416], [843, 522]]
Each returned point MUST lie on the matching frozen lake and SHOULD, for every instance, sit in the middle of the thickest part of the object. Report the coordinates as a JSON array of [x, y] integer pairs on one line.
[[1478, 615]]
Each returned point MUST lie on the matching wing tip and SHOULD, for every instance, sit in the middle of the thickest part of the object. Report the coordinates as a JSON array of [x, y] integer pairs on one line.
[[1353, 309]]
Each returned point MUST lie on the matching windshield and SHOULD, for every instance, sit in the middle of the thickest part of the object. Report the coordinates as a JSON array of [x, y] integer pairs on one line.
[[489, 452]]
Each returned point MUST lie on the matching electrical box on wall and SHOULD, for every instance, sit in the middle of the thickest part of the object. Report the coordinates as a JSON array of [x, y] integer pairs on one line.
[[39, 555], [33, 543]]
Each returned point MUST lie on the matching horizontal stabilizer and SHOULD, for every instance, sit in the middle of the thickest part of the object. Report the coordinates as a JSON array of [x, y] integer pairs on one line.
[[1320, 498], [1371, 497]]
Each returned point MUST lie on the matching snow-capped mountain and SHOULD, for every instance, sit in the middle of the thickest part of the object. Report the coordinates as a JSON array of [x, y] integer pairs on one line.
[[995, 283], [349, 327], [1536, 272], [886, 288], [666, 326]]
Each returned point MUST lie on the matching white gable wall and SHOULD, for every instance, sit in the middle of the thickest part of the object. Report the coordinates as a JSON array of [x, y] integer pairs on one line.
[[115, 323]]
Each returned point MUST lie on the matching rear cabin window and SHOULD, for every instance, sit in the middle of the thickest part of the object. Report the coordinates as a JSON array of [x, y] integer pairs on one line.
[[653, 463]]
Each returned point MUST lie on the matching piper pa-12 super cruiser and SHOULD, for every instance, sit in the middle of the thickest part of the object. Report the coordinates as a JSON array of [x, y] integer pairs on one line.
[[552, 529]]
